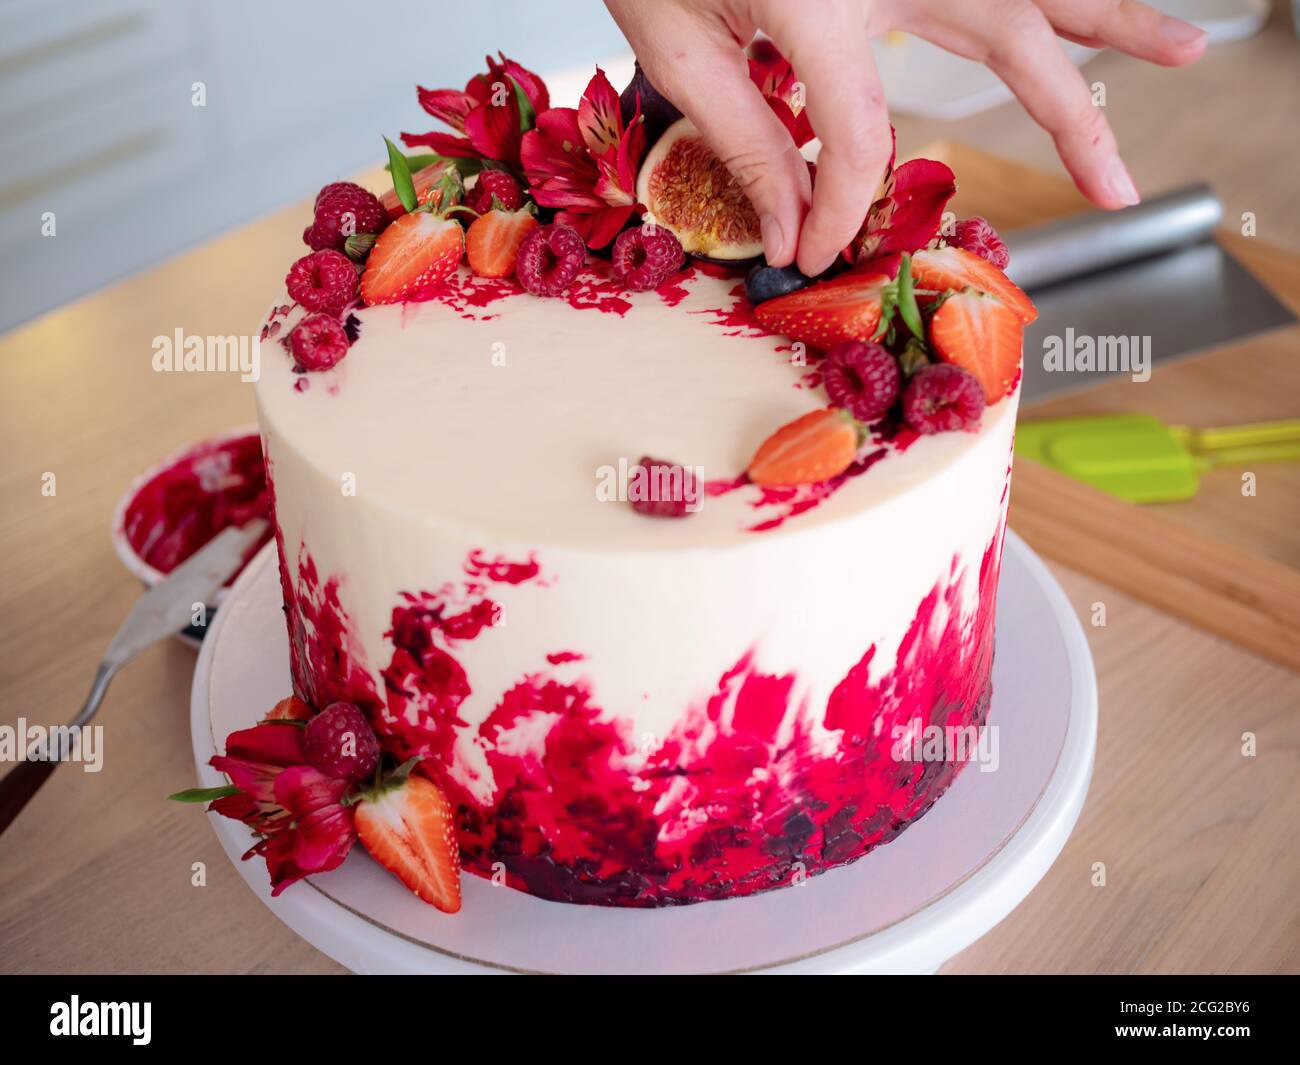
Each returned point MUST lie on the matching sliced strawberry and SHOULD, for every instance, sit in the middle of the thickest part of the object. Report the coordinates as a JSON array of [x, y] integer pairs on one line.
[[426, 188], [289, 709], [981, 334], [407, 828], [955, 268], [846, 307], [492, 242], [411, 258], [813, 448]]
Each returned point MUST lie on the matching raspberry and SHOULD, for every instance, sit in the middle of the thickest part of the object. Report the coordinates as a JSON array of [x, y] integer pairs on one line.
[[494, 183], [861, 377], [663, 489], [340, 743], [976, 236], [318, 342], [943, 397], [323, 281], [644, 257], [343, 209], [550, 258]]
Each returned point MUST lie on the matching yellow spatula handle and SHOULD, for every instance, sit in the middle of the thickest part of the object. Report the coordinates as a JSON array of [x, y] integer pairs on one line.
[[1205, 441]]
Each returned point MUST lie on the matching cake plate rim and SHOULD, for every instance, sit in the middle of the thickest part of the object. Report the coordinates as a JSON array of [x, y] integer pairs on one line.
[[920, 941]]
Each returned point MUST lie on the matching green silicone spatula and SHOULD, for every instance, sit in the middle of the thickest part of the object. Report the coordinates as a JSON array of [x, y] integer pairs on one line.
[[1138, 458]]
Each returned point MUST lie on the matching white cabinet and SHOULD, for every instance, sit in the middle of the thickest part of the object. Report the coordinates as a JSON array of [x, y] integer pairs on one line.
[[98, 122]]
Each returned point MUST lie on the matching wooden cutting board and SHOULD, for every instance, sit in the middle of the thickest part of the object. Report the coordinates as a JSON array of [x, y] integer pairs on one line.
[[1226, 561]]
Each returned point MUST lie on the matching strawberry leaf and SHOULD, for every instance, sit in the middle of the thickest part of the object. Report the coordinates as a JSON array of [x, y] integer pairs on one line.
[[416, 163], [204, 794], [402, 183], [907, 306]]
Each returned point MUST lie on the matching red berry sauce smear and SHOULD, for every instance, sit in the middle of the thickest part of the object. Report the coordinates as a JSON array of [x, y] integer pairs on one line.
[[711, 812], [211, 486]]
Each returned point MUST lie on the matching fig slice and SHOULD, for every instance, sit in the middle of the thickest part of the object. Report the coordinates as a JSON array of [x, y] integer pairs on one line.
[[687, 189]]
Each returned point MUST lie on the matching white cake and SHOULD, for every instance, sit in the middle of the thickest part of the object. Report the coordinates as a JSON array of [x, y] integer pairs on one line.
[[624, 709]]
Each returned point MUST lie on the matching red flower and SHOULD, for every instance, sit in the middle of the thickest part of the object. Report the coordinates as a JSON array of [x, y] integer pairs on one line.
[[784, 92], [487, 113], [316, 832], [584, 162], [908, 213], [297, 810]]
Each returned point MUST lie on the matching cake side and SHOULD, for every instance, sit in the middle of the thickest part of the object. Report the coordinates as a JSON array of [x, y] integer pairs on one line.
[[657, 726], [616, 573]]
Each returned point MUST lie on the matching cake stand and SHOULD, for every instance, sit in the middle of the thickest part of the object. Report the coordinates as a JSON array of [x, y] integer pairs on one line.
[[905, 907]]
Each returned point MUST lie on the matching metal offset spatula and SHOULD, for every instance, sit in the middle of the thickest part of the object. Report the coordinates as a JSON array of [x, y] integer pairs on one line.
[[1150, 277], [163, 611], [1143, 460]]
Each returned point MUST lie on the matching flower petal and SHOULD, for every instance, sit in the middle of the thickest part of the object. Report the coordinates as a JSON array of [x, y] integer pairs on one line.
[[442, 143], [447, 105], [600, 119]]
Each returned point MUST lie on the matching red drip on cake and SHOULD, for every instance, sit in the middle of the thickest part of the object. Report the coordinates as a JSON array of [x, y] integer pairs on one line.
[[583, 815]]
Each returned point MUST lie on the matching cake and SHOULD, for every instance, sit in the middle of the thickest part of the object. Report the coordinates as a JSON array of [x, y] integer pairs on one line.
[[622, 696]]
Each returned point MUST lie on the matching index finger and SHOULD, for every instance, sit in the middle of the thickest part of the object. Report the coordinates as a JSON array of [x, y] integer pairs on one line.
[[846, 105]]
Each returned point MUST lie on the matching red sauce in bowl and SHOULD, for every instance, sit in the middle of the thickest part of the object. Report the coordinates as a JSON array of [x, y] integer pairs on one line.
[[209, 487]]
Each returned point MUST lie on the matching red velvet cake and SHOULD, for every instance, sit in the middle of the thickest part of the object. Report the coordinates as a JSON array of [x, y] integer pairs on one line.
[[607, 677]]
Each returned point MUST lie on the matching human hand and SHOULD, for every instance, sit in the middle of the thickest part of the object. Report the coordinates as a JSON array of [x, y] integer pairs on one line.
[[692, 51]]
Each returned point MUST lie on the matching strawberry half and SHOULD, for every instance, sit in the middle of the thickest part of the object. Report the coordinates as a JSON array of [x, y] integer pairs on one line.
[[846, 307], [406, 825], [820, 445], [428, 189], [955, 268], [411, 258], [981, 334], [492, 242]]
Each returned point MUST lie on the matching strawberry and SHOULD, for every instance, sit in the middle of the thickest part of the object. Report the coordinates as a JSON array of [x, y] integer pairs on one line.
[[955, 268], [406, 825], [819, 445], [411, 258], [428, 189], [493, 240], [289, 709], [824, 314], [982, 335]]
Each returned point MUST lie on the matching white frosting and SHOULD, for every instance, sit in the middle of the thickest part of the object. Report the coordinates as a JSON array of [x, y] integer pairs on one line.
[[451, 452]]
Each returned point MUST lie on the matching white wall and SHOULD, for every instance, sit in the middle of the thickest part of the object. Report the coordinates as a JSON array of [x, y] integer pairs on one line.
[[97, 123]]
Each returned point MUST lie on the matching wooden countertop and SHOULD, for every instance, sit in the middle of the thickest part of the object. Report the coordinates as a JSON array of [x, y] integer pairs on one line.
[[95, 876]]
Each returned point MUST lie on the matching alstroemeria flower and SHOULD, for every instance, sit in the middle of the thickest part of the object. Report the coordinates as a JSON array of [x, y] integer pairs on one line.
[[315, 831], [486, 113], [783, 91], [297, 810], [584, 162], [908, 209]]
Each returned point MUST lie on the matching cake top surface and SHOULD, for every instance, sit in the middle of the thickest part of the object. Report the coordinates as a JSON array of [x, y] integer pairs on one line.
[[529, 337], [493, 411]]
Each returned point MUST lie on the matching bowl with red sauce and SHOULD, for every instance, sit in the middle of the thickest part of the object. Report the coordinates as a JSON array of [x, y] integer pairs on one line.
[[175, 507]]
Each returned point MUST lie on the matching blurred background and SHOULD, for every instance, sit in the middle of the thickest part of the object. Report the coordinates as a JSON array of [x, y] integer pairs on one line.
[[145, 126], [148, 125]]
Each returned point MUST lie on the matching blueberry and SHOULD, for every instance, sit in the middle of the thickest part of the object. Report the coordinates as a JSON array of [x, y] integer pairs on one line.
[[767, 282]]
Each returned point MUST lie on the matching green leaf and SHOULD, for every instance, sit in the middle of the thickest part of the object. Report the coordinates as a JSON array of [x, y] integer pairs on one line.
[[401, 171], [526, 114], [907, 305], [204, 794]]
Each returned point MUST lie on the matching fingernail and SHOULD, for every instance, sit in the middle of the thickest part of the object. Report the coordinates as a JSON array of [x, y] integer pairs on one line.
[[773, 238], [1176, 31], [1121, 183]]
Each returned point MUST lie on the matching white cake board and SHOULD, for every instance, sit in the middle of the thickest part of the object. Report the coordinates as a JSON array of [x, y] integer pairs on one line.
[[905, 907]]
